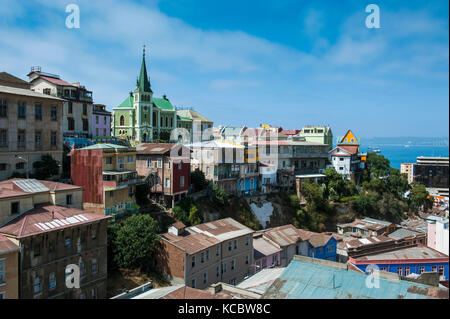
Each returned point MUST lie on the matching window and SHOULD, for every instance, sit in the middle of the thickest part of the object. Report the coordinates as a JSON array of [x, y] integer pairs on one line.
[[69, 199], [37, 250], [70, 109], [104, 132], [441, 270], [109, 161], [130, 191], [104, 120], [15, 208], [205, 277], [202, 257], [2, 295], [70, 124], [21, 138], [96, 132], [68, 242], [94, 233], [111, 194], [247, 259], [247, 241], [122, 120], [37, 285], [421, 269], [2, 271], [96, 119], [400, 271], [167, 184], [84, 109], [434, 268], [54, 113], [51, 247], [207, 254], [193, 261], [230, 245], [94, 266], [193, 283], [20, 165], [51, 280], [54, 138], [66, 92], [130, 159], [38, 139], [3, 108], [179, 165], [22, 110], [217, 250], [85, 125], [233, 264], [3, 166], [159, 162], [94, 293], [407, 271], [217, 271], [3, 138], [224, 268], [383, 268], [38, 112], [169, 164], [149, 163], [235, 244], [182, 181], [341, 158]]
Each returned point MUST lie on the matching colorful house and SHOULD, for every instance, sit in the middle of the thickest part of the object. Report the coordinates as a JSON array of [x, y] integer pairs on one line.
[[101, 121], [108, 175], [406, 261]]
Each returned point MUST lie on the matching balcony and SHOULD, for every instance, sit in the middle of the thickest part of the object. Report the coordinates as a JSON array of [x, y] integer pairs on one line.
[[120, 179]]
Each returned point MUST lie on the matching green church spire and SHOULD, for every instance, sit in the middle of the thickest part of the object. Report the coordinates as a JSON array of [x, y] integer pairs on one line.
[[143, 83]]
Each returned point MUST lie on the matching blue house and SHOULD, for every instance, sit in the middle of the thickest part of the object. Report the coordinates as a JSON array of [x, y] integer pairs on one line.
[[311, 278], [406, 261], [322, 246]]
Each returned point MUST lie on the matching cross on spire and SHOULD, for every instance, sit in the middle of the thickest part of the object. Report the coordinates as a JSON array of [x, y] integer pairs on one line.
[[143, 50]]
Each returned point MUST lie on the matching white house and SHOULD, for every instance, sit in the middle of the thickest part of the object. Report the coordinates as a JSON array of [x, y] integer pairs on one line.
[[268, 175], [341, 160]]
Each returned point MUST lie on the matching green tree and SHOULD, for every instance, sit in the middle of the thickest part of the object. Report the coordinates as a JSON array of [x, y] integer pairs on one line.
[[198, 180], [378, 165], [219, 196], [46, 167], [187, 212], [397, 183], [133, 242], [420, 198]]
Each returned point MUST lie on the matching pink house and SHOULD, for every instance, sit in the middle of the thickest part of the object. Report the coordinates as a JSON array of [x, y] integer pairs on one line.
[[101, 121], [266, 254]]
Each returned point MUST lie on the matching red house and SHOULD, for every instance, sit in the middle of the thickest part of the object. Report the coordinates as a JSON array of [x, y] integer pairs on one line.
[[166, 167]]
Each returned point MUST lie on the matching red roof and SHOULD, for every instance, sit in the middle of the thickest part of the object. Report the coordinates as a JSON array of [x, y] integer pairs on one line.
[[353, 149], [40, 220], [7, 245], [55, 80]]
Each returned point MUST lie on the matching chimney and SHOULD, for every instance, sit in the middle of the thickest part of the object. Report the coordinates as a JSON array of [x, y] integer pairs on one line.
[[53, 215], [215, 288]]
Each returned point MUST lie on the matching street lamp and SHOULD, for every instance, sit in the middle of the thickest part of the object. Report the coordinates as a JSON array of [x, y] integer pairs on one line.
[[26, 161]]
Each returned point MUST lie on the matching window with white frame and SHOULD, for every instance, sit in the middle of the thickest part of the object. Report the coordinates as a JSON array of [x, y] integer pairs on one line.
[[167, 183], [159, 163]]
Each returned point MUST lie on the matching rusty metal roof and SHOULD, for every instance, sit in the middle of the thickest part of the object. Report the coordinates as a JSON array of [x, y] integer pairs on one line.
[[203, 236]]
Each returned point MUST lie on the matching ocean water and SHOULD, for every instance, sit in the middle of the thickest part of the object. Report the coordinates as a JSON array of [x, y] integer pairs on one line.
[[398, 154]]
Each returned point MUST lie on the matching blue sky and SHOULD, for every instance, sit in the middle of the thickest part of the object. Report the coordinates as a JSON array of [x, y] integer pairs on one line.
[[288, 63]]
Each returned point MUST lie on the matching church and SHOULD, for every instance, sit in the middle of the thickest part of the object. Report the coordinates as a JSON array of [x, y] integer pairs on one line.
[[141, 117]]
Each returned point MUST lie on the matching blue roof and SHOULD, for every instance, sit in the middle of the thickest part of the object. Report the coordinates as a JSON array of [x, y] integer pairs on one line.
[[314, 280]]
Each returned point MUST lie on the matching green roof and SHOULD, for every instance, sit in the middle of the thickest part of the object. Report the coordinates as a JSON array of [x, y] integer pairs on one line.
[[163, 104], [128, 102], [143, 83], [182, 118]]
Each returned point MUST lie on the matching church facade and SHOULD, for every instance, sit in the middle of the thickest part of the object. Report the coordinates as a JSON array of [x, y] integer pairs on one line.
[[141, 117]]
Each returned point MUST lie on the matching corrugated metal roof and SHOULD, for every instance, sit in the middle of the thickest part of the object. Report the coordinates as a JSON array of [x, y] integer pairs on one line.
[[309, 280], [262, 280]]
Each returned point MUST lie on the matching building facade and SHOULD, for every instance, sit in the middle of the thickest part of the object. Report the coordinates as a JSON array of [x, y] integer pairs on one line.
[[198, 256], [437, 234], [108, 175], [30, 126], [166, 168], [100, 121], [409, 170], [77, 107], [9, 269], [318, 134], [53, 237], [432, 172]]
